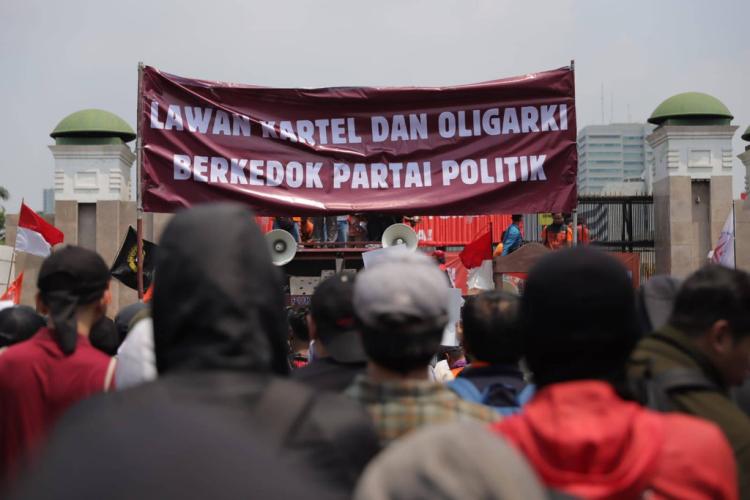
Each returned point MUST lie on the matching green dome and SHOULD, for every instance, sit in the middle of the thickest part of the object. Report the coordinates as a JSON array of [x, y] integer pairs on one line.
[[691, 108], [92, 126], [746, 135]]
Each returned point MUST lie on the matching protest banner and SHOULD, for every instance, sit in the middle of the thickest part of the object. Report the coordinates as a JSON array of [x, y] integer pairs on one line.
[[504, 146]]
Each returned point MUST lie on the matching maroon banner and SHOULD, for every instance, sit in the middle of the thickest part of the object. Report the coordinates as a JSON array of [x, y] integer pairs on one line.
[[506, 146]]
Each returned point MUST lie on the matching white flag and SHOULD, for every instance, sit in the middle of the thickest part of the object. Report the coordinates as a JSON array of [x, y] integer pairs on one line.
[[723, 253], [481, 277]]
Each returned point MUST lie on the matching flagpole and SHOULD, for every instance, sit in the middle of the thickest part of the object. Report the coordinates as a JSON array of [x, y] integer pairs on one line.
[[734, 234], [139, 195], [15, 245], [575, 210]]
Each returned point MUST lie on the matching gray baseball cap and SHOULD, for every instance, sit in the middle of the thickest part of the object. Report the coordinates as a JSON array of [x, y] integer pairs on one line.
[[406, 282]]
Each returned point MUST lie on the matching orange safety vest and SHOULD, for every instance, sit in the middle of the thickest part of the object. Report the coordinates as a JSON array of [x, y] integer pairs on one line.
[[560, 239]]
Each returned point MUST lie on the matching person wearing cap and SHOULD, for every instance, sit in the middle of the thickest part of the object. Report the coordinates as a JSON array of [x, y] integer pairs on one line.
[[338, 352], [401, 308], [578, 432], [220, 345], [43, 376]]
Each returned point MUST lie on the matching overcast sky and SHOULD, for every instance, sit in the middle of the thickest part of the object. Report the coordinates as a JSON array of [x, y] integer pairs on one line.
[[59, 57]]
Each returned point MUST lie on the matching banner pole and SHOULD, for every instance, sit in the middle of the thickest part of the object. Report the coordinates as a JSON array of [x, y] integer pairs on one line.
[[492, 235], [10, 268], [575, 210], [734, 234], [139, 194], [15, 245]]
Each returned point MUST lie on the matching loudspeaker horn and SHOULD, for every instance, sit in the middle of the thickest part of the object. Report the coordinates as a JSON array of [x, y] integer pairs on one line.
[[282, 246], [400, 234]]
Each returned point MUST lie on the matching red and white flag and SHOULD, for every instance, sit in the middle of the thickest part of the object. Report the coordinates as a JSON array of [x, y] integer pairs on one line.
[[477, 258], [35, 235], [13, 293]]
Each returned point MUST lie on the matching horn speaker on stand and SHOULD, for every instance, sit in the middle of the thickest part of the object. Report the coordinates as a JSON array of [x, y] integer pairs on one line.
[[400, 234], [282, 246]]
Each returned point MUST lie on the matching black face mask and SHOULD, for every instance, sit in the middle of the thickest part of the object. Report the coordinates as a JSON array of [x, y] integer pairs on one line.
[[69, 278]]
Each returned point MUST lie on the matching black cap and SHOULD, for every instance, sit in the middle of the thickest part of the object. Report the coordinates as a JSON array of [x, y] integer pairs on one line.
[[70, 277], [332, 311]]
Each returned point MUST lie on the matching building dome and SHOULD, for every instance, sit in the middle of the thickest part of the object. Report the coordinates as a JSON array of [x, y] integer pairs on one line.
[[92, 126], [746, 135], [691, 108]]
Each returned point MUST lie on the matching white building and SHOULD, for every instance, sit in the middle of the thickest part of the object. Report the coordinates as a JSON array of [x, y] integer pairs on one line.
[[615, 159]]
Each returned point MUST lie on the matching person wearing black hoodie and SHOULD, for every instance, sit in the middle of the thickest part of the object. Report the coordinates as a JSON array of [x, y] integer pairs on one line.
[[220, 344]]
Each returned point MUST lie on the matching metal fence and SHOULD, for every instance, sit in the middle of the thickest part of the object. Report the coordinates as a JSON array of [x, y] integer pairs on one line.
[[616, 223]]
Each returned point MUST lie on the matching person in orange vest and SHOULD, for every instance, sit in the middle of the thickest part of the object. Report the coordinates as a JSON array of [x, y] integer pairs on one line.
[[557, 235], [583, 231]]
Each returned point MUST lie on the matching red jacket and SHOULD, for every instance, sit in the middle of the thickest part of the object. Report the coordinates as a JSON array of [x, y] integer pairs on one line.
[[584, 440], [37, 384]]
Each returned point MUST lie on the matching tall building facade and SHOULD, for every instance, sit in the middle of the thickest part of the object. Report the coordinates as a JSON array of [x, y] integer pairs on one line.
[[49, 201], [615, 159]]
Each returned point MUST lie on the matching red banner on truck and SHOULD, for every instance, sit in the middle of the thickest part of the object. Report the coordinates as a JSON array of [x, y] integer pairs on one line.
[[505, 146]]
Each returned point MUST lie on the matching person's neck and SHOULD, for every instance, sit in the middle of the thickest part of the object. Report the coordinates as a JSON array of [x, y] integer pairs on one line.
[[84, 328], [86, 321], [378, 373]]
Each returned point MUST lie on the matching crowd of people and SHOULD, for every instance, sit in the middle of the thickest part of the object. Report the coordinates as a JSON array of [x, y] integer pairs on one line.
[[339, 228], [580, 388]]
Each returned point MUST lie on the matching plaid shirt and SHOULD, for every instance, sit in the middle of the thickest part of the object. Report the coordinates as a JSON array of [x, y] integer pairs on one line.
[[398, 407]]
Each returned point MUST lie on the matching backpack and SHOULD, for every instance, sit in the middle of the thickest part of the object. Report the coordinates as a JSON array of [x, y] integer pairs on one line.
[[656, 391], [466, 390]]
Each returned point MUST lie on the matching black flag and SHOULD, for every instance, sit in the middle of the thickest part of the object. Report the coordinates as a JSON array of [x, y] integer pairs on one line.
[[125, 267]]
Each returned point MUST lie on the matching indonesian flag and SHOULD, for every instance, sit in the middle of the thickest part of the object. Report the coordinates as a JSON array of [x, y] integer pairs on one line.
[[724, 252], [13, 293], [35, 235], [477, 258]]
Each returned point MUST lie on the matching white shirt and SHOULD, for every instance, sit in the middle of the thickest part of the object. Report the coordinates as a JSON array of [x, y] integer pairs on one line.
[[136, 361]]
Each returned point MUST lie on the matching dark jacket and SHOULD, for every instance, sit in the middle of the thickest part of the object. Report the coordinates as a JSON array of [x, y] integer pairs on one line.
[[220, 346], [669, 349], [327, 374]]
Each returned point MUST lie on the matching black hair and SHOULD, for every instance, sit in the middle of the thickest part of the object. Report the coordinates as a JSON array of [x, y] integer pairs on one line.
[[18, 323], [516, 217], [402, 343], [710, 294], [578, 317], [104, 336], [491, 327], [297, 317]]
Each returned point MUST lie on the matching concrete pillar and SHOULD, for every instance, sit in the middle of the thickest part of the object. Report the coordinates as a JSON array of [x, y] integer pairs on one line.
[[692, 192]]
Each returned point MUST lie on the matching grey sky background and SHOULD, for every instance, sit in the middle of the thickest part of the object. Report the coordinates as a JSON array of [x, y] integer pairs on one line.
[[59, 57]]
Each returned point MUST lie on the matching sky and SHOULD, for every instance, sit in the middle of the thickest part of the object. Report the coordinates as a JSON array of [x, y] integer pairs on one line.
[[60, 57]]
